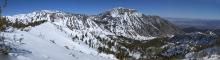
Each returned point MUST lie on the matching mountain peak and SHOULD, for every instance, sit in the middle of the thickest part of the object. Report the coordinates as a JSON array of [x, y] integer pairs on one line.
[[49, 11], [123, 8], [121, 11]]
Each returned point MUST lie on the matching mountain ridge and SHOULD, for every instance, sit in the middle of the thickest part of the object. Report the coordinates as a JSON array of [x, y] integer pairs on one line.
[[121, 19], [111, 34]]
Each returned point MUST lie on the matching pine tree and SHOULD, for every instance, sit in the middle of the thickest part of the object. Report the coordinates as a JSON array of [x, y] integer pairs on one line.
[[2, 19]]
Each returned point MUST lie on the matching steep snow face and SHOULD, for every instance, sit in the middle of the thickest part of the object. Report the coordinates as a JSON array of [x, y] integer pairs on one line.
[[48, 15], [88, 34], [122, 21], [130, 23], [120, 11], [48, 42]]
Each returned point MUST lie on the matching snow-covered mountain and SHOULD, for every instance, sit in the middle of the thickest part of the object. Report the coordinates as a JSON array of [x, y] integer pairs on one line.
[[120, 33], [118, 21]]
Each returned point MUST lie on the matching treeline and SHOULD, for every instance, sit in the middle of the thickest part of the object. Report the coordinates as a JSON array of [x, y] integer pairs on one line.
[[17, 24], [3, 23]]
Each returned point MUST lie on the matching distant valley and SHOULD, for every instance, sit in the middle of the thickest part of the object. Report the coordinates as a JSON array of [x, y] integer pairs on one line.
[[197, 25]]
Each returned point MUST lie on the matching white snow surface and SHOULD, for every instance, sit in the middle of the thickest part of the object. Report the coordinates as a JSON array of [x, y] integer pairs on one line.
[[78, 24], [212, 57], [47, 42], [53, 40]]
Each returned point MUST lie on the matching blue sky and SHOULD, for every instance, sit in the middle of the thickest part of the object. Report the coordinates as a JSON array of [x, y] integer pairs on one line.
[[203, 9]]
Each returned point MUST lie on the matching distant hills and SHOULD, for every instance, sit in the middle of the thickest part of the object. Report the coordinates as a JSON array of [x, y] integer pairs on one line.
[[198, 23]]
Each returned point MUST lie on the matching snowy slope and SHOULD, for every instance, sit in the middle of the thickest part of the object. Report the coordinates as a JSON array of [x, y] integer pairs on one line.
[[46, 42], [118, 21], [71, 36]]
